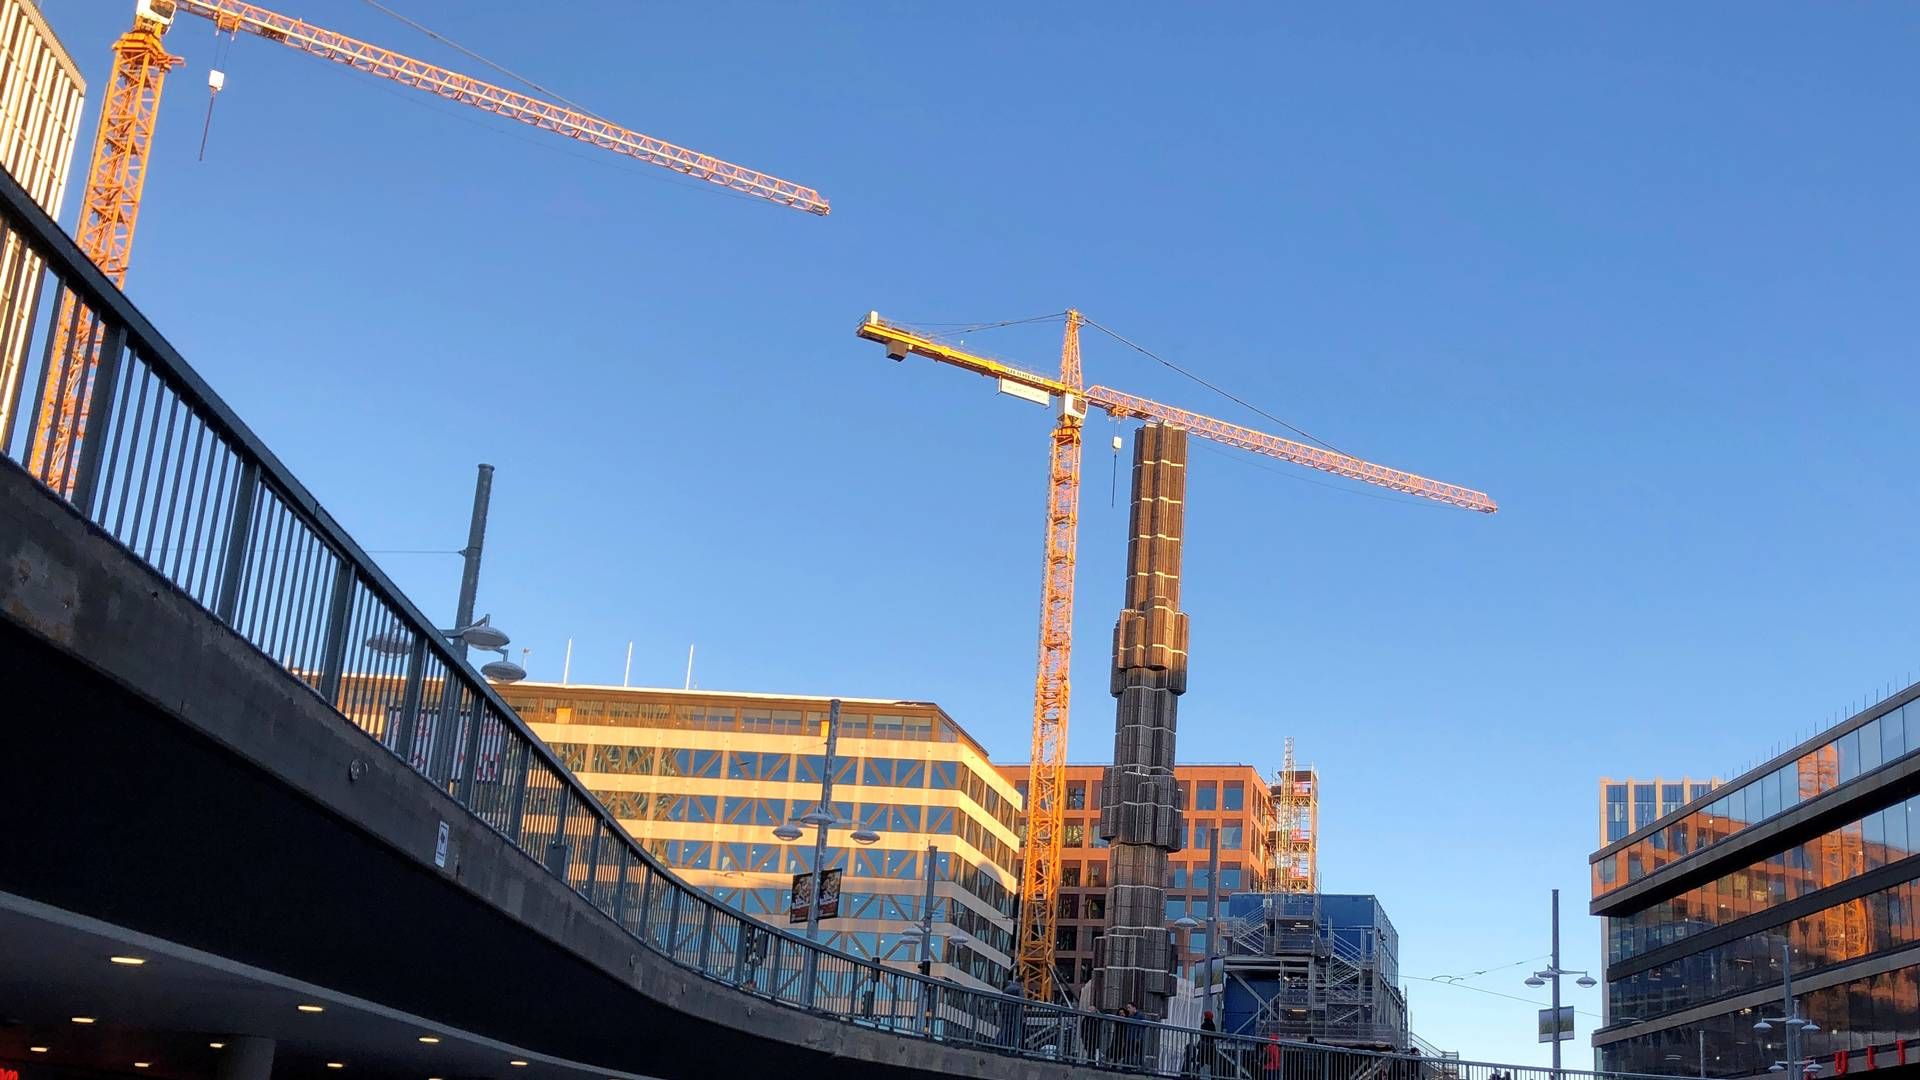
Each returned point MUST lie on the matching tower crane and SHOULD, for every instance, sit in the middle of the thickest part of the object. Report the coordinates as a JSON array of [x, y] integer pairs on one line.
[[1046, 778], [110, 205]]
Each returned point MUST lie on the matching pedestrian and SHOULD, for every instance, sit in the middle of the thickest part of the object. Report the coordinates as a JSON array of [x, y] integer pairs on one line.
[[1209, 1044], [1270, 1058], [1010, 1013]]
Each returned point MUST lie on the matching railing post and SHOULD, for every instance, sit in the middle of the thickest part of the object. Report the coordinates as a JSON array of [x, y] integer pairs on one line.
[[517, 810], [646, 902], [99, 402], [557, 848], [469, 759], [333, 658], [239, 533], [400, 737], [673, 928], [593, 859], [706, 936], [619, 904]]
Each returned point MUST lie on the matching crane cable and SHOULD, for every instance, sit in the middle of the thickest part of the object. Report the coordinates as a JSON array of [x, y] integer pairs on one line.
[[472, 55], [1235, 398]]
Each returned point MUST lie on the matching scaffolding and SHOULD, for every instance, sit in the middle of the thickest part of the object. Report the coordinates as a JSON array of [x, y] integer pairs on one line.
[[1294, 847], [1313, 966]]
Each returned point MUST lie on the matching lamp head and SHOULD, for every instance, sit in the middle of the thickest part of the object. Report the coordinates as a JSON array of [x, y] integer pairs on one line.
[[864, 836], [787, 831], [1585, 982], [816, 816], [483, 634], [393, 641], [503, 670], [1536, 981], [1763, 1027]]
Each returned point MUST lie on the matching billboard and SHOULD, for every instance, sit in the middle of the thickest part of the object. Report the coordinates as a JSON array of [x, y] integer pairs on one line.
[[1561, 1032], [800, 903]]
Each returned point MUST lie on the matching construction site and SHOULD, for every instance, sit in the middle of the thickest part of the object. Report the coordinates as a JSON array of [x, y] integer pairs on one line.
[[1292, 962]]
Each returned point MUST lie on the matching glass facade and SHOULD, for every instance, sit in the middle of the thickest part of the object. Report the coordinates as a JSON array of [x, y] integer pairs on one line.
[[1627, 806], [1820, 769], [702, 779], [1835, 893]]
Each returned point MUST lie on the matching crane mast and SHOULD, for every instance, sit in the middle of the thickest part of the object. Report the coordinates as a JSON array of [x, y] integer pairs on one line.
[[117, 173], [1046, 779], [1040, 859]]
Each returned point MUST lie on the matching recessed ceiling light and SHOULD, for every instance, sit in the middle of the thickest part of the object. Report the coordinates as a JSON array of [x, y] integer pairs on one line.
[[37, 1049], [217, 1046], [128, 961], [429, 1039], [141, 1064], [517, 1063], [83, 1019], [336, 1064], [311, 1008]]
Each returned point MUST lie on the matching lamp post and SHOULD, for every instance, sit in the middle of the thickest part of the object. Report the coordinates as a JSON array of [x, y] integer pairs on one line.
[[470, 555], [1792, 1021], [821, 817], [1187, 924], [1553, 973]]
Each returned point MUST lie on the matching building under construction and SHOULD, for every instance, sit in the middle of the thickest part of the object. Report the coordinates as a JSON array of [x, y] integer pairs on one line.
[[1293, 845], [1312, 965]]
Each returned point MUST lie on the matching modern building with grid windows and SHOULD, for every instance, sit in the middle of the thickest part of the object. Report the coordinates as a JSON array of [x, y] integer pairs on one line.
[[41, 92], [702, 778], [1813, 860], [1235, 799], [1627, 805]]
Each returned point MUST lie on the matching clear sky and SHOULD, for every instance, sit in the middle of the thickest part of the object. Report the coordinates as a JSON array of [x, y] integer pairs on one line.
[[1643, 272]]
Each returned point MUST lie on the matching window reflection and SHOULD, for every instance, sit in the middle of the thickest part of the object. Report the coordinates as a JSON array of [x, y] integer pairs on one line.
[[1878, 839], [1883, 739]]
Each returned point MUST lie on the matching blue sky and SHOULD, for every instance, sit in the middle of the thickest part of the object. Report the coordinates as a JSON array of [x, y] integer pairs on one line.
[[1643, 273]]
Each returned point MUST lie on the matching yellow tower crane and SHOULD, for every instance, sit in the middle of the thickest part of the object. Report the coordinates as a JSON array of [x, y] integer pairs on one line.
[[110, 205], [1046, 779]]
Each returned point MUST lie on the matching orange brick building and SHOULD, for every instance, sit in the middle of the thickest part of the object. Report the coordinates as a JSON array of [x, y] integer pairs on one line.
[[1235, 799]]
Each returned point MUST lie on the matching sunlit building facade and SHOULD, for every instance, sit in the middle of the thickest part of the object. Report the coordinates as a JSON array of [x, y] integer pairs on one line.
[[1809, 859], [702, 778], [1234, 799], [41, 93], [1627, 805]]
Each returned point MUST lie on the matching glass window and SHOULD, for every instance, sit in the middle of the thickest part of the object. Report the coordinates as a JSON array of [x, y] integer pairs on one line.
[[1233, 795], [1077, 795], [1870, 747], [1699, 791], [1896, 823], [1230, 837], [1207, 794], [1849, 748], [1200, 838], [1076, 835], [1893, 736], [1874, 834]]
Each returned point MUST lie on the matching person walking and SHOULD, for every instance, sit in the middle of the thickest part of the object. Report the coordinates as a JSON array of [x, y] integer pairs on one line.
[[1209, 1045]]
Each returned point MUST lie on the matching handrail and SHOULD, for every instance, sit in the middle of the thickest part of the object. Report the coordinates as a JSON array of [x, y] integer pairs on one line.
[[167, 470]]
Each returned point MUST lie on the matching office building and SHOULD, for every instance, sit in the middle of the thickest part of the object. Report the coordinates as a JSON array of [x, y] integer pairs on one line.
[[41, 93], [1628, 805], [1234, 799], [1808, 860], [702, 778]]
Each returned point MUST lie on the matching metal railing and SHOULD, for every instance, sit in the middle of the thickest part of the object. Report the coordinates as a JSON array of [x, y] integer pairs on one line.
[[166, 469]]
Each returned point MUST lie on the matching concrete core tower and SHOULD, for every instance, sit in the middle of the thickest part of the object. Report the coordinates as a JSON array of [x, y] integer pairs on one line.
[[1140, 812]]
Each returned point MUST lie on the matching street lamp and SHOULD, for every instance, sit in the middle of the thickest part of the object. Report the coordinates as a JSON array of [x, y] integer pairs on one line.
[[1552, 973], [821, 818], [1790, 1019], [1187, 924], [483, 635]]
